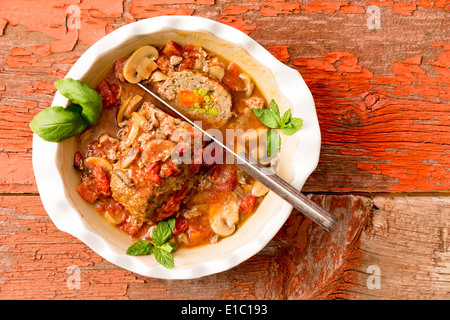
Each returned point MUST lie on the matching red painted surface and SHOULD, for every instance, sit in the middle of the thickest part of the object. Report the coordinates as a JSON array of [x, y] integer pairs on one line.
[[382, 101]]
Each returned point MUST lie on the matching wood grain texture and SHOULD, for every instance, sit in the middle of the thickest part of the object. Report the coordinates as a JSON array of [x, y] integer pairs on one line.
[[408, 241], [301, 262], [382, 98], [361, 79]]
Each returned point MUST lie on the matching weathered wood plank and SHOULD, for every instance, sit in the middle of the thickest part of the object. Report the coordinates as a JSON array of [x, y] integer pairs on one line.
[[361, 79], [406, 238], [405, 252]]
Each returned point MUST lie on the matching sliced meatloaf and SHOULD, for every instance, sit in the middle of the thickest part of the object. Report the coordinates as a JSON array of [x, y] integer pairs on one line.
[[146, 180], [195, 93]]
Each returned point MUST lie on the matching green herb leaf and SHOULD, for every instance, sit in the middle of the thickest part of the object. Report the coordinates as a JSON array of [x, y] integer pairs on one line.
[[169, 246], [81, 94], [163, 232], [274, 107], [163, 257], [286, 118], [267, 117], [273, 142], [294, 125], [57, 123], [140, 248]]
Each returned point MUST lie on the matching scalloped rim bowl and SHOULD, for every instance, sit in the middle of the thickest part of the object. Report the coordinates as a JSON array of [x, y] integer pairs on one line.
[[57, 179]]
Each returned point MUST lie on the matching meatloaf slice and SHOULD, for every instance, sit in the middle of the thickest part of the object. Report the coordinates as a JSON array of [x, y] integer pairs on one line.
[[197, 94], [145, 180]]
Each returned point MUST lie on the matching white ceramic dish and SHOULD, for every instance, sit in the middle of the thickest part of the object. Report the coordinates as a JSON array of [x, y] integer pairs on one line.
[[57, 179]]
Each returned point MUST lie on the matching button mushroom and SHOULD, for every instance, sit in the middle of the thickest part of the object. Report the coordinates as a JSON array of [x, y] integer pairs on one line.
[[138, 121], [140, 65], [248, 83], [130, 105], [258, 189], [158, 76], [223, 217], [98, 161], [217, 72]]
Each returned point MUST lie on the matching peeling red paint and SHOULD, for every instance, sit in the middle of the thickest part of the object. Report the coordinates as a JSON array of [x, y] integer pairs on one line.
[[324, 6], [280, 52], [396, 152]]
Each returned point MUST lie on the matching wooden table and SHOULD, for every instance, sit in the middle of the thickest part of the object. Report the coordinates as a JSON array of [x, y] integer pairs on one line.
[[379, 72]]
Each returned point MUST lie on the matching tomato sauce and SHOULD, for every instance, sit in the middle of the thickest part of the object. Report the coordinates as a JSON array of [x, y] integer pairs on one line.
[[190, 205]]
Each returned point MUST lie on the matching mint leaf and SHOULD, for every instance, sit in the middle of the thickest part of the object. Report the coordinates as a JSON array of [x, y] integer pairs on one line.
[[140, 248], [294, 125], [169, 246], [274, 107], [171, 224], [267, 117], [273, 142], [286, 118], [163, 257], [163, 232]]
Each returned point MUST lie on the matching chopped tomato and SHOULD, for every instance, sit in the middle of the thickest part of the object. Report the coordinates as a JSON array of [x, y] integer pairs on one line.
[[181, 224], [78, 160], [169, 168], [113, 209], [101, 180], [163, 63], [186, 63], [172, 48], [197, 234], [152, 172], [231, 78], [247, 203], [223, 179], [88, 190], [130, 227], [108, 92], [172, 205], [118, 68]]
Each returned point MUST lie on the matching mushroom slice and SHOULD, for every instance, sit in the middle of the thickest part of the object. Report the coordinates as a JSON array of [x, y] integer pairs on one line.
[[130, 105], [124, 177], [98, 161], [128, 159], [248, 83], [158, 76], [217, 72], [138, 121], [224, 216], [140, 65], [122, 108], [258, 189]]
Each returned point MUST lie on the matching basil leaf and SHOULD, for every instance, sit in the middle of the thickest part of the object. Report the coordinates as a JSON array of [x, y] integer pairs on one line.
[[81, 94], [57, 123], [273, 142], [294, 125], [163, 257], [140, 248], [267, 117], [163, 232]]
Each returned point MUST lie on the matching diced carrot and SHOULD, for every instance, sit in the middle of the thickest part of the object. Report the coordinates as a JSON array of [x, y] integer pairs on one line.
[[188, 98]]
